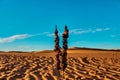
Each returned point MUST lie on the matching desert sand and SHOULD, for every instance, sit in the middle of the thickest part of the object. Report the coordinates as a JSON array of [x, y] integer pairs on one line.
[[83, 64]]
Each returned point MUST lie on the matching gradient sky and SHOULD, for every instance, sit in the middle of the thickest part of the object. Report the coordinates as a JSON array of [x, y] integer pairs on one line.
[[28, 25]]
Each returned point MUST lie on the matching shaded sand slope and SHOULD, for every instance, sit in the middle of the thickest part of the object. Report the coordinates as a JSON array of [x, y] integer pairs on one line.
[[82, 65]]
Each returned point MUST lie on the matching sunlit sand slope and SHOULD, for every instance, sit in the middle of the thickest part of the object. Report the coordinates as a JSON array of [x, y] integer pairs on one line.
[[82, 65]]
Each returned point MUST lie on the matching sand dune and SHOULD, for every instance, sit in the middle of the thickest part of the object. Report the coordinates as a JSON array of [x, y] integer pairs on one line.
[[82, 65]]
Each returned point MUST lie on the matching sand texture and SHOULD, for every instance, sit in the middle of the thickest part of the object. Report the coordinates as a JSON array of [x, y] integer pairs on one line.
[[82, 65]]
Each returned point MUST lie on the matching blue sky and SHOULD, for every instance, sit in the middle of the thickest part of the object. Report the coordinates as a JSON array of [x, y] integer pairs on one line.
[[28, 25]]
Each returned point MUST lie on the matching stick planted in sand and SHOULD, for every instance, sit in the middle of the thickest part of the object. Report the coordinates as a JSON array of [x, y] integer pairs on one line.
[[61, 56], [65, 47]]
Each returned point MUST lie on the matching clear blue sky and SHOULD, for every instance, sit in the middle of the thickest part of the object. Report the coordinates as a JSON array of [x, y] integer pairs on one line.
[[29, 24]]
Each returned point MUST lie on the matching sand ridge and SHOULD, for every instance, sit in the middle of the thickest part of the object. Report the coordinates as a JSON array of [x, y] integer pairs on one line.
[[19, 66]]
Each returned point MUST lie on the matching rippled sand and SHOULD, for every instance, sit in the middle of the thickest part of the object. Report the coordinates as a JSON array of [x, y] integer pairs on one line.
[[38, 66]]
